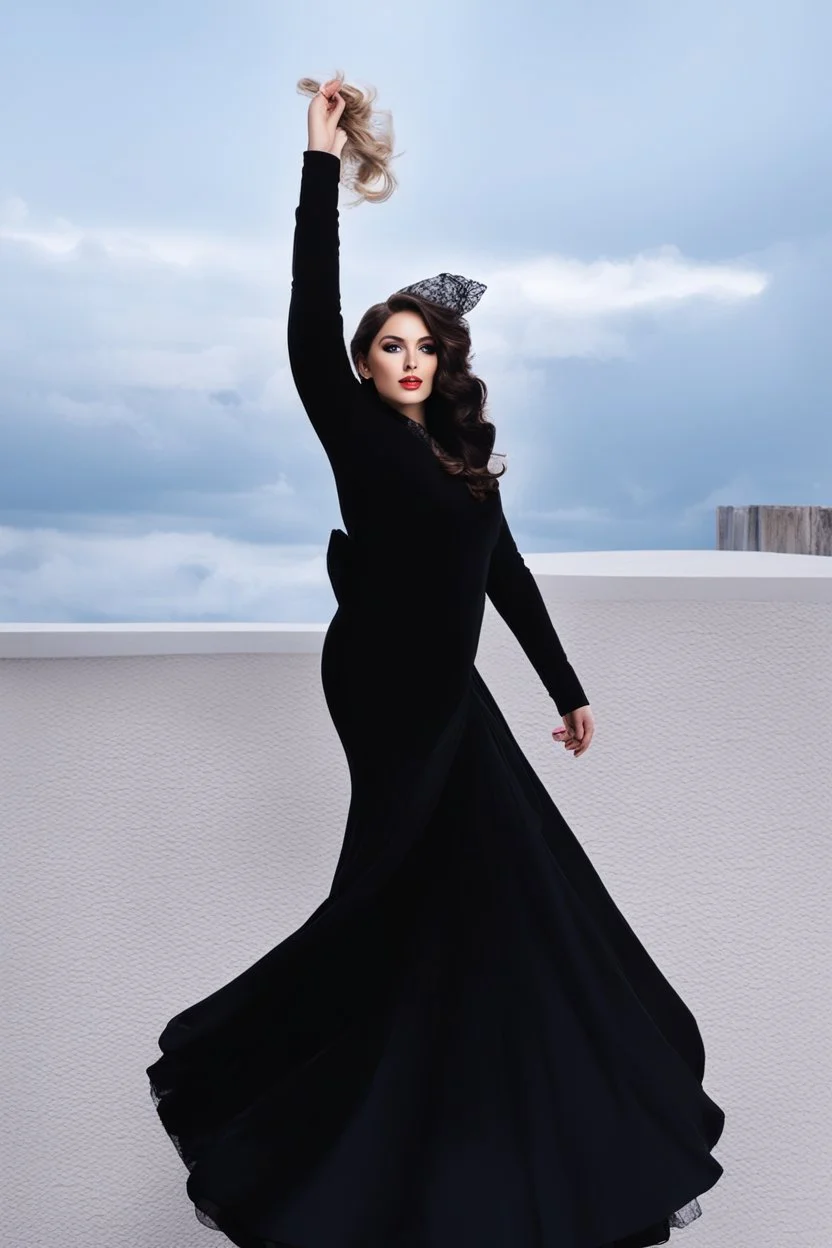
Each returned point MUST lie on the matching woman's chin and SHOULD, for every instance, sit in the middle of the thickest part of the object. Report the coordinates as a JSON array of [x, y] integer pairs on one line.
[[402, 394]]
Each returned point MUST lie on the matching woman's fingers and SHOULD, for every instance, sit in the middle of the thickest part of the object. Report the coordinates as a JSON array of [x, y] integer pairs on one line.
[[334, 106], [325, 110], [579, 746]]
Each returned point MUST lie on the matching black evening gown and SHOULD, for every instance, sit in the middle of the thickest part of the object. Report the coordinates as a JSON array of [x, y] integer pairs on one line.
[[465, 1045]]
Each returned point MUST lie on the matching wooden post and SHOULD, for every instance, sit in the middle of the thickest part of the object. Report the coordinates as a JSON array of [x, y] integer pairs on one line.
[[789, 530]]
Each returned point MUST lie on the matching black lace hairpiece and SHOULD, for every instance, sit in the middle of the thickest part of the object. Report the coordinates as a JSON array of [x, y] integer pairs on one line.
[[461, 294]]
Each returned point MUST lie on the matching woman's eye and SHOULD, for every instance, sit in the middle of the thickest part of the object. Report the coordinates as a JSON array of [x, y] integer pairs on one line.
[[394, 346]]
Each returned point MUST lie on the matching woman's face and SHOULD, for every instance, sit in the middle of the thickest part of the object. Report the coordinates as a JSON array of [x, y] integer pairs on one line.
[[403, 347]]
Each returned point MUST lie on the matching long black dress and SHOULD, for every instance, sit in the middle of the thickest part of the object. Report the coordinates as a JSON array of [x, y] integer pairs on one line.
[[465, 1045]]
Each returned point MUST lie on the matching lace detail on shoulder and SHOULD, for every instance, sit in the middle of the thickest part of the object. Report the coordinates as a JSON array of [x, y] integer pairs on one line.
[[415, 427], [409, 423]]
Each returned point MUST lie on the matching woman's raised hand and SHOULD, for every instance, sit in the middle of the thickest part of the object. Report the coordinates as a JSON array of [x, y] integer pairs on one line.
[[325, 110]]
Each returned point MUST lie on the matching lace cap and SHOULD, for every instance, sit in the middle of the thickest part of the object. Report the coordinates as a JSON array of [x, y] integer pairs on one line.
[[461, 294]]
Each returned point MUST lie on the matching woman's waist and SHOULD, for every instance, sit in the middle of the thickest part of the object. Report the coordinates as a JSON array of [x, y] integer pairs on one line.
[[417, 573]]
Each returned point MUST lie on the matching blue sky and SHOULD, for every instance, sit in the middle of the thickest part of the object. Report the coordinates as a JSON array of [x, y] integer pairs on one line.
[[645, 187]]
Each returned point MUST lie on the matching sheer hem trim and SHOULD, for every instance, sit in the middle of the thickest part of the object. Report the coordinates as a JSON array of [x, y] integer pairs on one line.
[[645, 1238]]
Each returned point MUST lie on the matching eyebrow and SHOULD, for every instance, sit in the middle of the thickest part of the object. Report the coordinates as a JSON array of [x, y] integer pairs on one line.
[[398, 339]]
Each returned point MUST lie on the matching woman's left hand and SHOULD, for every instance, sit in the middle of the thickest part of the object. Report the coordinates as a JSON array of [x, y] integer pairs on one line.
[[580, 727]]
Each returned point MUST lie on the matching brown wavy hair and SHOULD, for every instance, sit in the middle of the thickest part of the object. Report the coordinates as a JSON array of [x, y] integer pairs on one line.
[[461, 437]]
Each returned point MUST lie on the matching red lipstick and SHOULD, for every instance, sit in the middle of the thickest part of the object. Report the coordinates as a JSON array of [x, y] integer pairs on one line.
[[411, 383]]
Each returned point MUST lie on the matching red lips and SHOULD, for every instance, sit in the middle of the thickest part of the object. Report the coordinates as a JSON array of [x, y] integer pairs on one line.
[[411, 383]]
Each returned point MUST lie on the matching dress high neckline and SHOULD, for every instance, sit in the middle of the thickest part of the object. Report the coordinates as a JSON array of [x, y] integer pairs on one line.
[[414, 426]]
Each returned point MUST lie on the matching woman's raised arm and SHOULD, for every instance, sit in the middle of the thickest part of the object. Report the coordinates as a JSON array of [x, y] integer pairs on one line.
[[317, 354]]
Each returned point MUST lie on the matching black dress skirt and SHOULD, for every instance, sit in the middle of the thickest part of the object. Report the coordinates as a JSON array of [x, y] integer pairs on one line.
[[465, 1045]]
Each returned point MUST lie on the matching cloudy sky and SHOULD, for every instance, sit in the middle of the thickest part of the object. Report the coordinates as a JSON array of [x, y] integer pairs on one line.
[[645, 187]]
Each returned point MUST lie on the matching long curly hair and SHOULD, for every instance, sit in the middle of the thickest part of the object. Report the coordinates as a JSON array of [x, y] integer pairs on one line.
[[368, 151], [461, 437]]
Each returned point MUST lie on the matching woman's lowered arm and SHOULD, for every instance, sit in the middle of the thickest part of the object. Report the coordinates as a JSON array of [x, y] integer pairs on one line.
[[514, 593]]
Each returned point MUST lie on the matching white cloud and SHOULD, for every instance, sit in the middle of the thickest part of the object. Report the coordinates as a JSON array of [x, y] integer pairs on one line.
[[158, 575], [543, 307], [608, 287], [123, 326], [556, 307], [97, 412], [213, 367], [176, 248]]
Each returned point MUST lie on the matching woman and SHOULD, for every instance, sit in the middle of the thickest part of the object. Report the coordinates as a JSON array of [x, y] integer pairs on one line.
[[465, 1044]]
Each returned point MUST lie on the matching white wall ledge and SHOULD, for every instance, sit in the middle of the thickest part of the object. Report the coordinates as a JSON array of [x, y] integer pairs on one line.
[[570, 576]]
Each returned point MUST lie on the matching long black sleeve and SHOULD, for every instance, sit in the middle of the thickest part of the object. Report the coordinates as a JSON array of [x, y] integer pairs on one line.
[[514, 592], [317, 354]]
